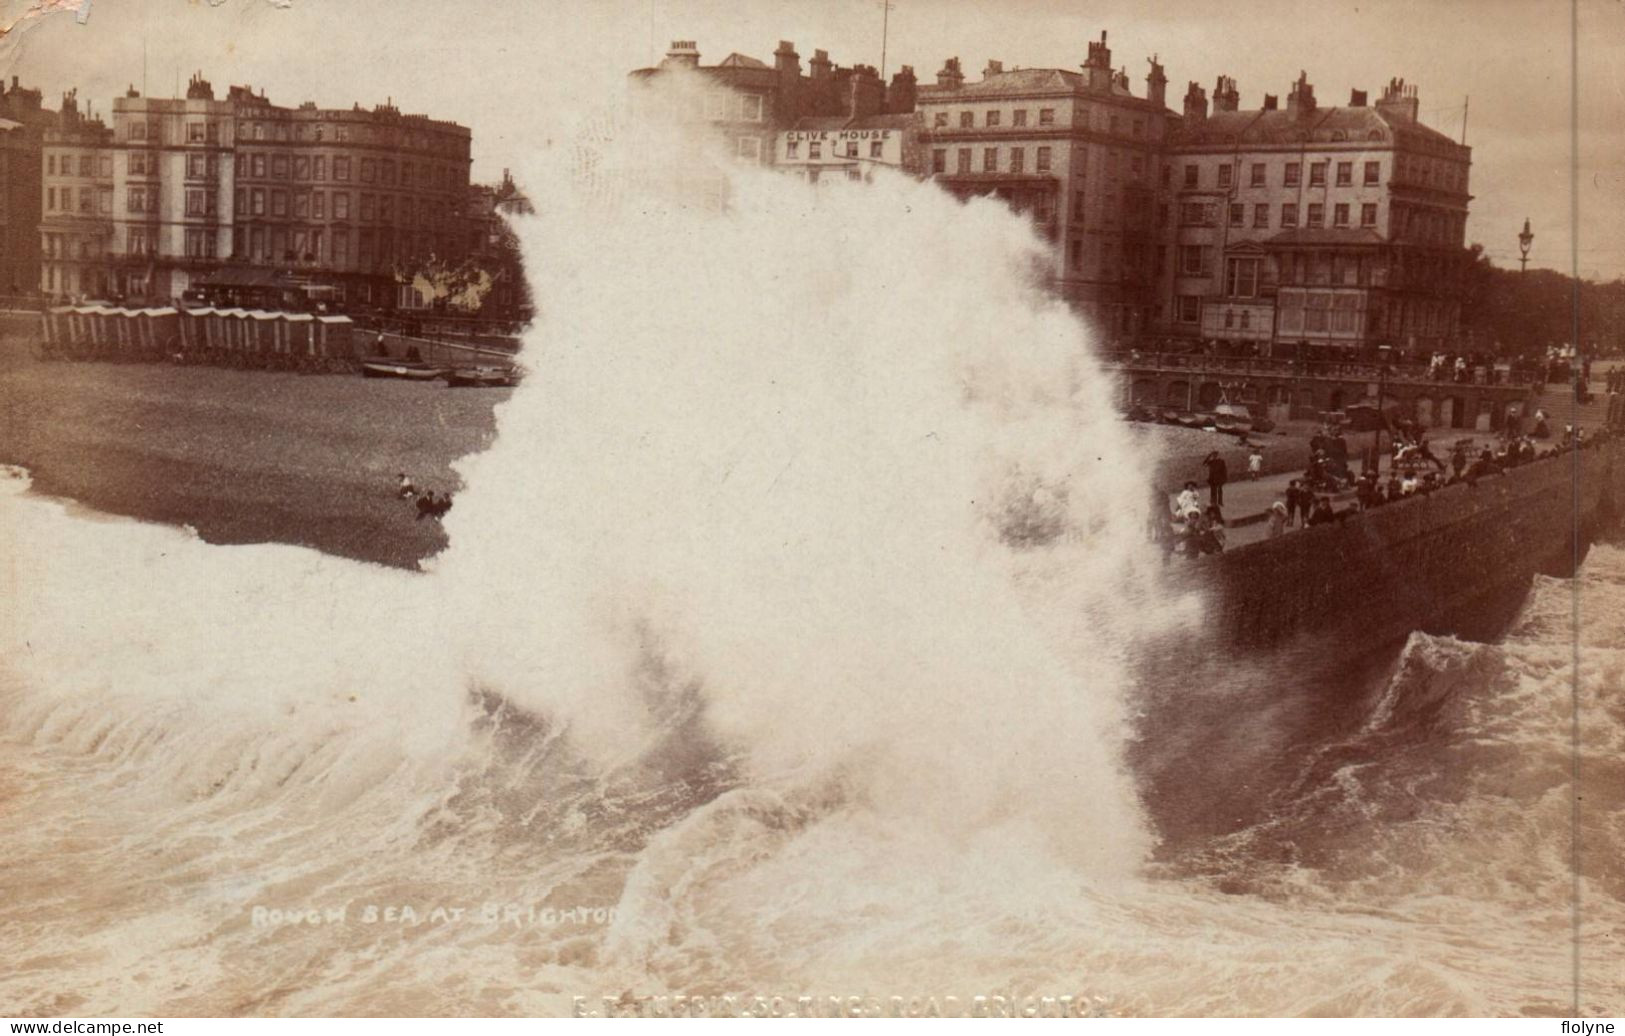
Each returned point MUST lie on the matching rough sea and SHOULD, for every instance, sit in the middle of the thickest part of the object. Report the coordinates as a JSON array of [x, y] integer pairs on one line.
[[791, 643]]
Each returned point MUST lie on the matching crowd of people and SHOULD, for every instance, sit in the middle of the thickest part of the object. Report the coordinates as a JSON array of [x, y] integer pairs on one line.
[[429, 503], [1193, 529]]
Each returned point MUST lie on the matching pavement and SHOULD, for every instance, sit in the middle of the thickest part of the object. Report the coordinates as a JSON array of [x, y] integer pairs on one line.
[[1247, 502]]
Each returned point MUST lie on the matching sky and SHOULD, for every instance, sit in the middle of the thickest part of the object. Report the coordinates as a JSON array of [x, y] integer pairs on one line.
[[507, 69]]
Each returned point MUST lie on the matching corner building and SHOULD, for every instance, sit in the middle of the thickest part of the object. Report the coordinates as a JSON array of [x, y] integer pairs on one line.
[[238, 192], [1306, 231]]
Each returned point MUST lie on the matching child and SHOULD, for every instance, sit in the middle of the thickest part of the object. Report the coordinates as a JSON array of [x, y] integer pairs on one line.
[[1255, 464]]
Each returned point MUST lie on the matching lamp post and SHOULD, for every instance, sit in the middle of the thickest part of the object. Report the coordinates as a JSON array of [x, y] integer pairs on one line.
[[1383, 352], [1525, 239]]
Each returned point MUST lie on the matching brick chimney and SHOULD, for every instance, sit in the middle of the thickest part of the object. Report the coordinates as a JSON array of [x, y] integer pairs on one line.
[[1195, 103], [1301, 100], [199, 89], [1099, 66], [786, 60], [683, 54], [900, 98], [1156, 84], [820, 65], [993, 68], [866, 94], [1399, 101], [951, 78], [1225, 96], [787, 63], [1357, 99], [1271, 102]]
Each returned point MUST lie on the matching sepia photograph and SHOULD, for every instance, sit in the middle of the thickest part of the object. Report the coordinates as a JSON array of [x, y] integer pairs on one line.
[[811, 509]]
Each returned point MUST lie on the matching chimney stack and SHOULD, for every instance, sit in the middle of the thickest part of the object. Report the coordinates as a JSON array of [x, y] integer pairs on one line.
[[1357, 99], [1399, 101], [820, 65], [199, 89], [900, 99], [1302, 98], [1271, 103], [1195, 103], [785, 59], [1099, 66], [683, 54], [1156, 84], [865, 94], [1225, 96], [950, 78], [993, 68]]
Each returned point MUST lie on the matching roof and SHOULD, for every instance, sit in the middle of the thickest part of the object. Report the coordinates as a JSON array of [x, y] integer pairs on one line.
[[1019, 81], [8, 124], [737, 60], [1260, 126], [1328, 236], [1024, 82]]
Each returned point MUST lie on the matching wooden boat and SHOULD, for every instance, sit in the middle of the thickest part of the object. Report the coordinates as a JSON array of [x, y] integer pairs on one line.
[[411, 370], [481, 377]]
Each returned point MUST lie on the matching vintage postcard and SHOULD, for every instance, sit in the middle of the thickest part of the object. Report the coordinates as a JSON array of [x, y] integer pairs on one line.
[[834, 508]]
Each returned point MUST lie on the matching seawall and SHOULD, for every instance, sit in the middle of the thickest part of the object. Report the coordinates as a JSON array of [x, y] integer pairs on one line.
[[1433, 562]]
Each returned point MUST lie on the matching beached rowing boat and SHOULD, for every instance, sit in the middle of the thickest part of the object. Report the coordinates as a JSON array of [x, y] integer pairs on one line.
[[481, 377], [410, 370]]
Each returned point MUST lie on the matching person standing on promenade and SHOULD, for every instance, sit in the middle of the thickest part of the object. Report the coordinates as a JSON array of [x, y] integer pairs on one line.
[[1296, 501], [1255, 463], [1217, 474]]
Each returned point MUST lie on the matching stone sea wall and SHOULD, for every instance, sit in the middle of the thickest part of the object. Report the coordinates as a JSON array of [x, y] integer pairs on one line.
[[1416, 564]]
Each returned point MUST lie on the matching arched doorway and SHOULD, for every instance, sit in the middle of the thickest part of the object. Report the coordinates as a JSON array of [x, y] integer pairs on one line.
[[1179, 394], [1208, 396], [1144, 391]]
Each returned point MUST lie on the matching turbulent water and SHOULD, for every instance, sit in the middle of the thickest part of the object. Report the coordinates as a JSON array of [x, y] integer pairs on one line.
[[794, 641]]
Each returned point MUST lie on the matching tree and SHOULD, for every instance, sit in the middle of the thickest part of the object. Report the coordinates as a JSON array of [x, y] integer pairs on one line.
[[1512, 313], [442, 284]]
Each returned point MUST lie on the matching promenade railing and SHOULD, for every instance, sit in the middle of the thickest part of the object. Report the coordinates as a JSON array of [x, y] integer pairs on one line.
[[1197, 363]]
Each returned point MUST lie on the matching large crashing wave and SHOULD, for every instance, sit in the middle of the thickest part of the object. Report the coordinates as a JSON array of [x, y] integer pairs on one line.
[[811, 525], [775, 441]]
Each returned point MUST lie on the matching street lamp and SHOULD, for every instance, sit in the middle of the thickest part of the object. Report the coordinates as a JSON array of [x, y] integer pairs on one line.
[[1525, 239], [1383, 352]]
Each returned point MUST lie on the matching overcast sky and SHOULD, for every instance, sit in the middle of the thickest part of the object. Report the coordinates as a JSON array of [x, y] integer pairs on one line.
[[502, 67]]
